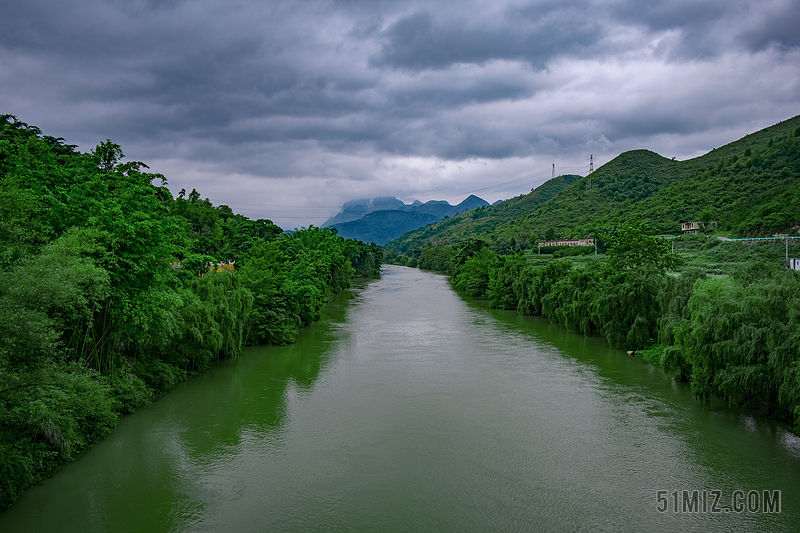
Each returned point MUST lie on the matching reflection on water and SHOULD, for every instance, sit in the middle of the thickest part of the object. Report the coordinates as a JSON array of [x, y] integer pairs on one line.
[[407, 408]]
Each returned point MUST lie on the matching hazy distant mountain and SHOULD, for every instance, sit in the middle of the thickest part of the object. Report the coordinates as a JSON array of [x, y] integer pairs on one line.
[[380, 220], [437, 208], [471, 202], [381, 227], [355, 209]]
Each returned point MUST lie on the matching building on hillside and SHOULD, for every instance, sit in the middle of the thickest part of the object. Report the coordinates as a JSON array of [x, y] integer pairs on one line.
[[569, 242], [694, 227], [213, 267], [219, 267]]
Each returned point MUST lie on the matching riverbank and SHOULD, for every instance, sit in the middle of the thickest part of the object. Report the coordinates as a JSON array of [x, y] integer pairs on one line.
[[724, 317], [407, 407]]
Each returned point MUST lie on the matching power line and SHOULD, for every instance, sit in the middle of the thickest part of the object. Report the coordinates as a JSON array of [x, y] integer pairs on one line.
[[579, 164], [589, 175], [517, 180], [284, 205]]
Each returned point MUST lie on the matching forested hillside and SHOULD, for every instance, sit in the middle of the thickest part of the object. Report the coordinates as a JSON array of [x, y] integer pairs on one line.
[[749, 187], [111, 292]]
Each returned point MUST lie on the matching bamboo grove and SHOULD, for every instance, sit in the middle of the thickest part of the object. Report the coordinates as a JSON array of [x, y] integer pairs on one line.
[[733, 336], [112, 291]]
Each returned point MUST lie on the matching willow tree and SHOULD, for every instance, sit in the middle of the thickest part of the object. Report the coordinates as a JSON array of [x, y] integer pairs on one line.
[[626, 310]]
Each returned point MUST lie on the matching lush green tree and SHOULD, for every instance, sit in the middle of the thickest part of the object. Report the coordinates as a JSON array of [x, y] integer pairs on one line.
[[436, 258], [571, 298], [473, 276], [634, 245], [707, 214], [535, 283], [202, 223], [466, 250], [742, 342], [214, 312], [508, 269], [673, 300], [365, 258], [107, 155], [50, 301], [626, 310]]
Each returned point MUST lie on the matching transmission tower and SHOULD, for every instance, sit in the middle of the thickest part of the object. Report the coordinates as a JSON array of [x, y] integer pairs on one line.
[[589, 176], [554, 171]]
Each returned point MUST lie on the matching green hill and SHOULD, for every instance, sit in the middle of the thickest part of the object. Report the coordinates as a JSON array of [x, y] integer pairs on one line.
[[465, 225], [749, 186]]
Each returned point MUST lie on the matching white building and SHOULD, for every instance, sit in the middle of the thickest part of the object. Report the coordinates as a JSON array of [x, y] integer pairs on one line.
[[569, 242]]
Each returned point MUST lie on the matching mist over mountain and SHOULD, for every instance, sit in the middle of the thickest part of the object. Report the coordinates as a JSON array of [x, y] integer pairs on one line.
[[355, 209]]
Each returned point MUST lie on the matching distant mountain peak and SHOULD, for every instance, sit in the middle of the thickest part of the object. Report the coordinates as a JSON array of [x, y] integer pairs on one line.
[[470, 202]]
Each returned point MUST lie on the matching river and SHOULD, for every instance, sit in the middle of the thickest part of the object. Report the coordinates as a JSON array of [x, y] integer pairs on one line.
[[408, 408]]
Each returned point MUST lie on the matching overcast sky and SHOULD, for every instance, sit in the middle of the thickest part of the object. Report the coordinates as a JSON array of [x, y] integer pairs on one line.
[[287, 109]]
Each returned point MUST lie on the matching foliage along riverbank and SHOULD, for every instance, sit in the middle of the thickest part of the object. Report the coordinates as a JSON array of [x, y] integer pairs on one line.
[[733, 335], [107, 299]]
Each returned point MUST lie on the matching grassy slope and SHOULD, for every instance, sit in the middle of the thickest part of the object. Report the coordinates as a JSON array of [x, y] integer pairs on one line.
[[661, 191]]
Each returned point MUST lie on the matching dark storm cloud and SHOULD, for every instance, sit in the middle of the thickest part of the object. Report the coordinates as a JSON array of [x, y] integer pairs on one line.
[[779, 26], [87, 31], [419, 42], [712, 27], [657, 121], [694, 22], [339, 91], [669, 14], [199, 78]]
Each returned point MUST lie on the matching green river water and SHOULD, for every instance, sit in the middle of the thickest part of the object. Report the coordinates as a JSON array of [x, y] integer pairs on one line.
[[407, 408]]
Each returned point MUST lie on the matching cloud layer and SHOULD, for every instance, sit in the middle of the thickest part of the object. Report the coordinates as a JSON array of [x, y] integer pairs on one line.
[[287, 109]]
